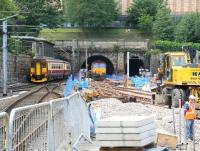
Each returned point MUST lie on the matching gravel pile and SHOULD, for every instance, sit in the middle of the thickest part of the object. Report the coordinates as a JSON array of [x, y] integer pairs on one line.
[[163, 116]]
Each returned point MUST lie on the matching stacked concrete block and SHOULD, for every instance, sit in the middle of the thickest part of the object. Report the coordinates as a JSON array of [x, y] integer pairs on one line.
[[125, 131]]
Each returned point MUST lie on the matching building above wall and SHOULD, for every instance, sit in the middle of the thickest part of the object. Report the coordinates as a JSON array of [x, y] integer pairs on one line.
[[39, 46], [177, 7]]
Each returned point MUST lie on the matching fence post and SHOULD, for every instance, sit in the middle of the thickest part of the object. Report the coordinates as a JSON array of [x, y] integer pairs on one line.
[[67, 118], [50, 144], [193, 131], [7, 128], [10, 130]]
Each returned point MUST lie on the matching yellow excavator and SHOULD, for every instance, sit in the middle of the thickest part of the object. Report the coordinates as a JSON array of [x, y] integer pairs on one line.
[[180, 75]]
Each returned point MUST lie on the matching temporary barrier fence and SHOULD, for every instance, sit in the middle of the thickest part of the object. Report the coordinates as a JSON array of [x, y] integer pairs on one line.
[[28, 128], [81, 137], [48, 126], [3, 131]]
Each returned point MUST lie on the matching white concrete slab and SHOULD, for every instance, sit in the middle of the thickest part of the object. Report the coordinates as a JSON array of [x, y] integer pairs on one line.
[[141, 143], [125, 130], [125, 121], [116, 137]]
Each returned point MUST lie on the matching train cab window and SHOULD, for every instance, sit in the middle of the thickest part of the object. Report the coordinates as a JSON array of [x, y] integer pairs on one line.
[[33, 65], [43, 65]]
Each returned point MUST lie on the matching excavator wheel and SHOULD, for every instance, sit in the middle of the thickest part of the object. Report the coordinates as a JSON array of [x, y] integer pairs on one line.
[[176, 95], [165, 98]]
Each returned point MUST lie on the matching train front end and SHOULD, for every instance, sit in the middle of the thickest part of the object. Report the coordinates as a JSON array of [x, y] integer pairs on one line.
[[38, 71]]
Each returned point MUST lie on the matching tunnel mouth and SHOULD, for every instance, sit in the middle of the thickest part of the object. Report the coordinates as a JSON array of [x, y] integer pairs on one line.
[[135, 63], [98, 59]]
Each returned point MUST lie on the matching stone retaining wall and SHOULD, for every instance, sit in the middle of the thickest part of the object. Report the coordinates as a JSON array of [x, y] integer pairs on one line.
[[154, 63], [18, 67]]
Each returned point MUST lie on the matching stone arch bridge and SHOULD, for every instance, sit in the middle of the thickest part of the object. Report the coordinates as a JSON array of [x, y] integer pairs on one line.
[[115, 59]]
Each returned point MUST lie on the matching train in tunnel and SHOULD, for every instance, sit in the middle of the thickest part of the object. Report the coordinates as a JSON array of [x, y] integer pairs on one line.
[[98, 67], [46, 69]]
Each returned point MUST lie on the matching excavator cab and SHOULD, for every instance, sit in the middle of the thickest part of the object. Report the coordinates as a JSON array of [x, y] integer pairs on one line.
[[168, 62], [180, 77]]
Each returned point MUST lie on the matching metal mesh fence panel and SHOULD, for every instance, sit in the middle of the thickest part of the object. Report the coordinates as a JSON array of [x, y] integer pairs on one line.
[[3, 131], [28, 128], [76, 117], [54, 125], [59, 135]]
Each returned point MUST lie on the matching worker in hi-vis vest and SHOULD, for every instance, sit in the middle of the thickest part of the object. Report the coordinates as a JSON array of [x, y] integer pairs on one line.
[[189, 115]]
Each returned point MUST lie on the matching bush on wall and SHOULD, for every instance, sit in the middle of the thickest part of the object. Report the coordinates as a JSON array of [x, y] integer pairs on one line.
[[174, 46]]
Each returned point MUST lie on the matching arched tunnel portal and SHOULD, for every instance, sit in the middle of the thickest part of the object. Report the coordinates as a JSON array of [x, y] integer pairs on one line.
[[99, 58], [135, 63]]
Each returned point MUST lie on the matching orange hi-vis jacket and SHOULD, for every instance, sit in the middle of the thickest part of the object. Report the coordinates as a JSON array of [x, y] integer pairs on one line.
[[190, 114]]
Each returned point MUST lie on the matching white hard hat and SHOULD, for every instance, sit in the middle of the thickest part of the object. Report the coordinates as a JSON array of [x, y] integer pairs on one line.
[[192, 97]]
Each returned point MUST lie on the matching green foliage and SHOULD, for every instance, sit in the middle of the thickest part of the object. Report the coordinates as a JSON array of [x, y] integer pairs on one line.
[[5, 7], [90, 34], [141, 8], [116, 48], [40, 12], [31, 53], [14, 45], [188, 29], [163, 28], [145, 23], [174, 46], [152, 52], [90, 13]]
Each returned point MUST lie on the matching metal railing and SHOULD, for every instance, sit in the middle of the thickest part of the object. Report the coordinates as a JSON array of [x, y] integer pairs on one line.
[[3, 131], [49, 126]]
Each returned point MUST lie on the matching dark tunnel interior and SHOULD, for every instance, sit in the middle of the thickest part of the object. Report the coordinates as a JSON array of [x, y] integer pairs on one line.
[[134, 65]]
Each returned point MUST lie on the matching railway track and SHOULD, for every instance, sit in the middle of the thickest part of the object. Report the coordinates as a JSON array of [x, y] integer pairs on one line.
[[139, 95], [20, 87], [108, 89], [34, 118], [40, 94]]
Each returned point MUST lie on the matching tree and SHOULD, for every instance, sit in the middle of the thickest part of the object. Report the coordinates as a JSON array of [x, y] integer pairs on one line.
[[163, 28], [40, 12], [142, 8], [6, 8], [145, 23], [188, 29], [90, 13]]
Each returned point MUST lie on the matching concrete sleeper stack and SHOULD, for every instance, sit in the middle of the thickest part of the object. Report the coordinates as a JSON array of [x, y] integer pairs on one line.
[[125, 131]]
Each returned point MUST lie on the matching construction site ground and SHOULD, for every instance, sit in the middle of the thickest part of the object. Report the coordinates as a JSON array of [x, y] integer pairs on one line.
[[163, 116], [113, 101]]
